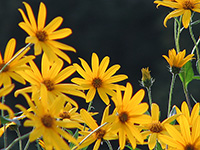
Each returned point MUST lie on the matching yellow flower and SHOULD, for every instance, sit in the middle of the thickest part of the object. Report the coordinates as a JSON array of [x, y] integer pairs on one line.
[[100, 134], [47, 83], [46, 125], [156, 128], [129, 111], [146, 81], [185, 111], [98, 78], [182, 7], [177, 61], [44, 38], [186, 139], [12, 70]]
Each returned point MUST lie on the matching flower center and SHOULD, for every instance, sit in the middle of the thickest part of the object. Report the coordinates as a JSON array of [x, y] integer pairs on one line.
[[156, 127], [64, 115], [190, 147], [47, 121], [175, 70], [188, 5], [97, 83], [100, 133], [41, 35], [5, 69], [123, 117], [49, 85]]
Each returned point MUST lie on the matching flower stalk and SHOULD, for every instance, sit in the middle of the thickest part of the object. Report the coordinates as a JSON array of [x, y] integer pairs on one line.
[[170, 93]]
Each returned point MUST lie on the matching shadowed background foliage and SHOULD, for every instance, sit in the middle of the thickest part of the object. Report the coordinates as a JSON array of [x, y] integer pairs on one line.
[[130, 32]]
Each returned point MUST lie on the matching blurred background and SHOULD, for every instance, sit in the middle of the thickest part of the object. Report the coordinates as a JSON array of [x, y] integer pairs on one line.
[[130, 32]]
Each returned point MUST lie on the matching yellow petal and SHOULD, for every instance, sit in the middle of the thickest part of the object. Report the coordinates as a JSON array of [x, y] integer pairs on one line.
[[103, 65], [103, 95], [95, 64], [30, 16], [155, 112], [61, 46], [53, 25], [42, 16], [90, 95], [60, 34], [5, 107], [10, 48], [175, 13], [88, 119], [186, 18], [152, 140]]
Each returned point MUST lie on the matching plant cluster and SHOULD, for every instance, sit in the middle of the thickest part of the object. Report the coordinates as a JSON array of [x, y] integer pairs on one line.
[[56, 119]]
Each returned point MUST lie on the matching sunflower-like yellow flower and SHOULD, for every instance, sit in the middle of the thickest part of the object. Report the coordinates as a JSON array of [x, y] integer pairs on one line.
[[182, 7], [185, 111], [43, 37], [156, 128], [129, 111], [188, 138], [47, 125], [99, 78], [177, 61], [18, 64], [100, 134], [47, 83]]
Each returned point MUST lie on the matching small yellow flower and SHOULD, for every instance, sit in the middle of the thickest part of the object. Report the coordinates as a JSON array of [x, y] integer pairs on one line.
[[99, 78], [18, 64], [177, 61], [188, 138], [146, 81], [129, 111], [99, 135], [182, 7], [48, 82], [46, 125], [156, 128], [43, 37]]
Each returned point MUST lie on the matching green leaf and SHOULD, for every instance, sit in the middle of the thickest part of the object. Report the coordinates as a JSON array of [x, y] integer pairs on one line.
[[158, 146], [5, 120], [187, 74], [131, 147], [198, 66]]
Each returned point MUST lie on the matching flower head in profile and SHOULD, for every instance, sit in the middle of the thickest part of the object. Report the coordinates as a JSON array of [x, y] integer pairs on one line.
[[47, 83], [185, 111], [101, 134], [99, 78], [13, 68], [147, 80], [129, 111], [47, 125], [43, 37], [188, 138], [156, 128], [177, 61], [181, 7]]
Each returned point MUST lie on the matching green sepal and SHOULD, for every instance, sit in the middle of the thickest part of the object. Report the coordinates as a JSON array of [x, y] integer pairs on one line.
[[187, 74], [131, 147]]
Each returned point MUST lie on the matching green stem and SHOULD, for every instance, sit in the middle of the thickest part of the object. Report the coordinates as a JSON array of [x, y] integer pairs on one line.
[[109, 144], [187, 97], [27, 145], [149, 95], [90, 134], [170, 93], [22, 50], [89, 106], [20, 141], [194, 41], [16, 140], [2, 114], [177, 33]]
